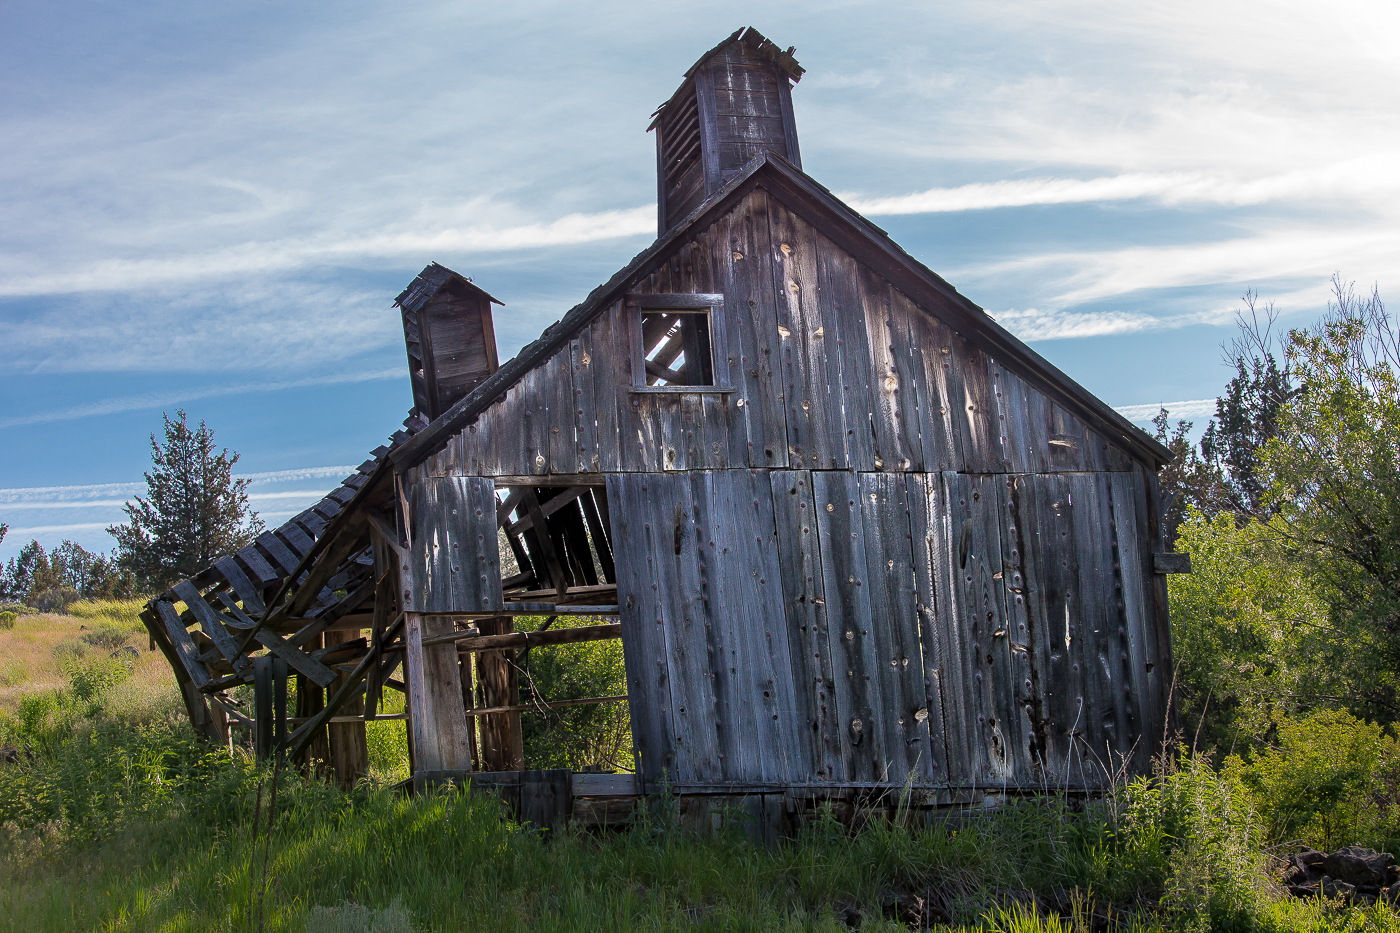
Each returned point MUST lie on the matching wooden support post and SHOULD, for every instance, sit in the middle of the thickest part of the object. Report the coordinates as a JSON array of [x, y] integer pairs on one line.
[[263, 727], [546, 798], [279, 706], [311, 699], [349, 752], [438, 722], [502, 747]]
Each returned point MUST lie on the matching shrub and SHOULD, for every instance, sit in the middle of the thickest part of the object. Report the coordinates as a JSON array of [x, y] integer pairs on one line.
[[1195, 832], [107, 636], [7, 621], [66, 652], [92, 678], [56, 599], [1330, 780]]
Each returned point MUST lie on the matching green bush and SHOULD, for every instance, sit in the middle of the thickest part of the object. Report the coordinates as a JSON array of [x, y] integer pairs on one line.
[[1194, 828], [66, 652], [7, 620], [92, 678], [1330, 780]]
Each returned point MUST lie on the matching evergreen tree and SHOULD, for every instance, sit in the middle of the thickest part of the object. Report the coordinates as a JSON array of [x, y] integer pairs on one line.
[[194, 511]]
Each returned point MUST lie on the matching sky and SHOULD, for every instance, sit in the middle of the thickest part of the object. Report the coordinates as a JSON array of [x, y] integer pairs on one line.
[[211, 207]]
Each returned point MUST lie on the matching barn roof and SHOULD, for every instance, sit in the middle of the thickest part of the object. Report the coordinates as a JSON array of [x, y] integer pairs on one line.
[[429, 282], [849, 230]]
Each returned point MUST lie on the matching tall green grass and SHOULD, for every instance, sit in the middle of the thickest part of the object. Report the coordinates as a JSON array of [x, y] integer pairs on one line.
[[123, 820]]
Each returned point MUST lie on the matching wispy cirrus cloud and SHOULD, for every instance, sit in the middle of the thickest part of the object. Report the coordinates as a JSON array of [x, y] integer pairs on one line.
[[148, 400], [1192, 408], [1355, 178], [103, 493], [1038, 324], [281, 256]]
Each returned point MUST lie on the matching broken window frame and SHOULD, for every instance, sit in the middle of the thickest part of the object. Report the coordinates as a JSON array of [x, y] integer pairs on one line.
[[712, 306]]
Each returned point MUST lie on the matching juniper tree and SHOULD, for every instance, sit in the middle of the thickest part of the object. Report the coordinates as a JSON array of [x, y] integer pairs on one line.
[[194, 511]]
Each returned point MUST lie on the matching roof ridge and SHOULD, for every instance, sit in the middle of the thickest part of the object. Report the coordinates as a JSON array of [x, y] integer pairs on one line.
[[975, 323]]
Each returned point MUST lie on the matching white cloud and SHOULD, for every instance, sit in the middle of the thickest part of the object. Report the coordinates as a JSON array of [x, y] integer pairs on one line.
[[100, 494], [1353, 179], [281, 256], [36, 531], [1194, 408], [175, 397], [1037, 324]]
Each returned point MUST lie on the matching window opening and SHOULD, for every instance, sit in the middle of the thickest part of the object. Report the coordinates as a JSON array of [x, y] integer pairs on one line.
[[678, 348]]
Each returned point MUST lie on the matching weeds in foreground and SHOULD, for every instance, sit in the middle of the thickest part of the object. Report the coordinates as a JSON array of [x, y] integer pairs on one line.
[[118, 818]]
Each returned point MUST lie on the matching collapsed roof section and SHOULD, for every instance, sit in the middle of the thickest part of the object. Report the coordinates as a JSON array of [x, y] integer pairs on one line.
[[227, 606]]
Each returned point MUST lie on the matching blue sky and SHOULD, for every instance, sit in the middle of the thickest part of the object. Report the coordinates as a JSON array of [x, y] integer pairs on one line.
[[212, 206]]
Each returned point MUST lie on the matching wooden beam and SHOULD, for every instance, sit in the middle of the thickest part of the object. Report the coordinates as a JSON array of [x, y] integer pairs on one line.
[[557, 576], [304, 733], [1171, 563], [547, 508], [540, 707], [332, 530], [437, 719], [469, 641]]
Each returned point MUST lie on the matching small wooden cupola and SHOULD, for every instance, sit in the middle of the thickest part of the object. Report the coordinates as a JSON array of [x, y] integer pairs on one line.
[[735, 104], [450, 338]]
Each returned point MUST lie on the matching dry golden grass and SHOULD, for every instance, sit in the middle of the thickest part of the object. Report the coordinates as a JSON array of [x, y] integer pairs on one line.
[[28, 662]]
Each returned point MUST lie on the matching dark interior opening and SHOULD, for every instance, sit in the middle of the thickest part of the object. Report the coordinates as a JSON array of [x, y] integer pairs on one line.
[[677, 348]]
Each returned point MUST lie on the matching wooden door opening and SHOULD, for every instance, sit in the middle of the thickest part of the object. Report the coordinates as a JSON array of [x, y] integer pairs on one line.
[[543, 682]]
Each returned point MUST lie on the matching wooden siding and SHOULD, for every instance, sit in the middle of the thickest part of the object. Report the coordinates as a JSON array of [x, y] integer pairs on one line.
[[833, 368], [964, 630], [453, 561]]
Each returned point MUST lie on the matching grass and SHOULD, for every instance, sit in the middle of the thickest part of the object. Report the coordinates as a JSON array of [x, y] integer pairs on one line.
[[33, 652], [374, 861], [122, 820]]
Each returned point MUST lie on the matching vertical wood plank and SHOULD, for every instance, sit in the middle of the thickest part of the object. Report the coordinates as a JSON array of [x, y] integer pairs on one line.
[[1022, 538], [936, 381], [561, 411], [847, 356], [856, 664], [754, 621], [803, 373], [757, 428], [643, 628], [439, 722], [809, 646], [893, 395], [454, 557], [885, 528], [502, 745], [349, 750], [938, 637]]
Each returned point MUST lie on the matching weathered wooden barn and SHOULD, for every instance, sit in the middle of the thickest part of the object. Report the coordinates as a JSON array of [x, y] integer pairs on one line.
[[852, 533]]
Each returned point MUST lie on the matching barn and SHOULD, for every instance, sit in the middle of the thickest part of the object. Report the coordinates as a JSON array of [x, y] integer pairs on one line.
[[856, 539]]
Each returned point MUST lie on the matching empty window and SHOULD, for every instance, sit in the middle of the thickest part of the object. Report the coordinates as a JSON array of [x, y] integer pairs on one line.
[[676, 347], [675, 343]]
